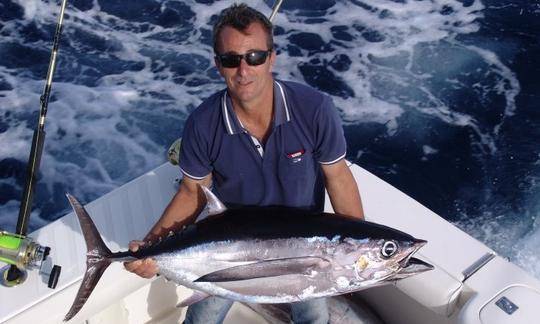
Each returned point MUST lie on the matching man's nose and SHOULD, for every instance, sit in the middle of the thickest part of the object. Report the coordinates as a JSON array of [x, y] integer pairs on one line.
[[243, 67]]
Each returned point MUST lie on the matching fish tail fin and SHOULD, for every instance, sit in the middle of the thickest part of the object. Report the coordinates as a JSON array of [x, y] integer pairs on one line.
[[97, 257], [89, 282]]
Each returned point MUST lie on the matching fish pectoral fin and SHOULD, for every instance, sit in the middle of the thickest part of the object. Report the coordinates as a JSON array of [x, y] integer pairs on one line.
[[197, 296], [267, 268]]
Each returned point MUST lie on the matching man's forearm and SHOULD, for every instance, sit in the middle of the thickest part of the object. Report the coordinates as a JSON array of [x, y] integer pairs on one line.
[[346, 200], [343, 190], [182, 210]]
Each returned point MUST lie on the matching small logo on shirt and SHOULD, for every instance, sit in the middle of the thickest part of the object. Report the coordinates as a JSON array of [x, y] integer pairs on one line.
[[296, 156]]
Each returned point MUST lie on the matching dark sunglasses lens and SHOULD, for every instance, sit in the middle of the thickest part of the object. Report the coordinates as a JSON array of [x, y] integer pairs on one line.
[[256, 58], [252, 58], [230, 60]]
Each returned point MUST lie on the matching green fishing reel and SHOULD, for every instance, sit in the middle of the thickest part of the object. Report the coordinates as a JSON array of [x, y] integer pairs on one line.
[[173, 154], [21, 254]]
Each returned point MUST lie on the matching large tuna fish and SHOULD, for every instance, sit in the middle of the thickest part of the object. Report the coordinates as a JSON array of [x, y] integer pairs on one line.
[[264, 255]]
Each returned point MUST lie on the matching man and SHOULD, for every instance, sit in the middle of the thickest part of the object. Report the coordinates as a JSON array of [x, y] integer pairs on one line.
[[259, 142]]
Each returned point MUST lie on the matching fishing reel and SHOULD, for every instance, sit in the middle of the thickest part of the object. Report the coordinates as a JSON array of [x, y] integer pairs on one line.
[[21, 254]]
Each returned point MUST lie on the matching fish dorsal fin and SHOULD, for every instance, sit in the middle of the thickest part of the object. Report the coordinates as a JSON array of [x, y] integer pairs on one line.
[[213, 204], [267, 268]]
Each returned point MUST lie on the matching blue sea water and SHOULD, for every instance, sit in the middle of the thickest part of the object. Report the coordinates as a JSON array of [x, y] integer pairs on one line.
[[438, 97]]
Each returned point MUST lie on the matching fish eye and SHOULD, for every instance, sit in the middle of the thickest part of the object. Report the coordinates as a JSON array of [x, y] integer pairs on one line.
[[389, 248]]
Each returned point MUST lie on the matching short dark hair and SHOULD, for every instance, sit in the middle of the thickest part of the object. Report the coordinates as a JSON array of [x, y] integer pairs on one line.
[[239, 17]]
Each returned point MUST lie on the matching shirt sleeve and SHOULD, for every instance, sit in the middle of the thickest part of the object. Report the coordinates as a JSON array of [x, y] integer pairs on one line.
[[330, 144], [193, 157]]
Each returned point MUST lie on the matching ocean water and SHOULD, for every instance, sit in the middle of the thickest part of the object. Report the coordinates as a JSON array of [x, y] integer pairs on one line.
[[438, 97]]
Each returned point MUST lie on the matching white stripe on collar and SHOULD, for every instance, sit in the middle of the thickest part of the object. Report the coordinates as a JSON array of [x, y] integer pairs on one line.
[[284, 101], [226, 113]]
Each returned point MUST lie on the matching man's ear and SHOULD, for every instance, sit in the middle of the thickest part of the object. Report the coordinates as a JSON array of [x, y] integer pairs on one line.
[[218, 65], [272, 59]]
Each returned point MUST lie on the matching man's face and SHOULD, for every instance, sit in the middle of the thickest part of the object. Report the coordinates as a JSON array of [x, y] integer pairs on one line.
[[246, 83]]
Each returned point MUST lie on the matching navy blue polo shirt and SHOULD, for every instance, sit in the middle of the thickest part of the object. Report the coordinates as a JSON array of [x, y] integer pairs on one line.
[[306, 132]]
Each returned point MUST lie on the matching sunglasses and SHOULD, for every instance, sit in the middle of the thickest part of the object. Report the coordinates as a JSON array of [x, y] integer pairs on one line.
[[252, 58]]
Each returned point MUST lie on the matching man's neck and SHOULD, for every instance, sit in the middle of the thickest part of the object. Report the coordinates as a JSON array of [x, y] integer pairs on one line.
[[256, 116]]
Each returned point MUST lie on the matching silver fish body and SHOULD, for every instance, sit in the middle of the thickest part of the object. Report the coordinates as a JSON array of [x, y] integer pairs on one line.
[[279, 270], [266, 255]]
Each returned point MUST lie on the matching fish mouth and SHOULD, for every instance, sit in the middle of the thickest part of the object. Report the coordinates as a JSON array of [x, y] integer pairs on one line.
[[415, 265], [410, 265]]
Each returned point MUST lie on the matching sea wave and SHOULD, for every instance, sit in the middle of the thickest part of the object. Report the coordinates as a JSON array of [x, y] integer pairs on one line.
[[428, 91]]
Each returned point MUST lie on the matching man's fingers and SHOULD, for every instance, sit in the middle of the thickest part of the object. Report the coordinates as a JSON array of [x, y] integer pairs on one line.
[[146, 268], [150, 268], [135, 245], [148, 272], [132, 266]]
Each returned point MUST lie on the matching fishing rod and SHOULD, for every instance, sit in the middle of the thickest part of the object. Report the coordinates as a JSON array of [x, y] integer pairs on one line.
[[275, 9], [18, 250]]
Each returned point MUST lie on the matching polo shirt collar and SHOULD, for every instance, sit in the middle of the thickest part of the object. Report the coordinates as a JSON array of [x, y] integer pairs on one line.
[[281, 111]]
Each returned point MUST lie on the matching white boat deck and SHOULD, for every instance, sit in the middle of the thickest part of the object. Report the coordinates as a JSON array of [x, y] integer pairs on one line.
[[438, 296]]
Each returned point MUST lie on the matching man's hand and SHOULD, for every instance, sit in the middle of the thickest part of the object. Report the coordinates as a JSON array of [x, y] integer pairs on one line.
[[181, 210], [146, 268]]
